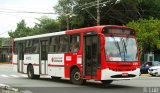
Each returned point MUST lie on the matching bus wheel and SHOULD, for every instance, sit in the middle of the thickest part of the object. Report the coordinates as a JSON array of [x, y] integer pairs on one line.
[[106, 82], [75, 77], [30, 73]]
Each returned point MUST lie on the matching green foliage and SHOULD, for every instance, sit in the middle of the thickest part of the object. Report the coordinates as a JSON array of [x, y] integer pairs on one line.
[[21, 30], [0, 42], [64, 6], [147, 32], [111, 11], [45, 25]]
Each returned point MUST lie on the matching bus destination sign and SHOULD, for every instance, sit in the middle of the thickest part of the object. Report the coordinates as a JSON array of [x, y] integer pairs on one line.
[[118, 31]]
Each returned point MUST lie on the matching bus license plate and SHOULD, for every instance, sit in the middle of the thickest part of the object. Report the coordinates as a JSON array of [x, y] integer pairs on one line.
[[124, 74]]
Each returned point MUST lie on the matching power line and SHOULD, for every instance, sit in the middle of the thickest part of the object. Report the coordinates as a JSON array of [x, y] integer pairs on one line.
[[24, 9], [4, 32], [11, 14], [7, 10], [87, 4], [101, 3], [30, 12]]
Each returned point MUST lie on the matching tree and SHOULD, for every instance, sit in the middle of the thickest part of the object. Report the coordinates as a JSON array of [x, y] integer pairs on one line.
[[0, 42], [65, 9], [45, 25], [116, 12], [148, 34], [21, 30]]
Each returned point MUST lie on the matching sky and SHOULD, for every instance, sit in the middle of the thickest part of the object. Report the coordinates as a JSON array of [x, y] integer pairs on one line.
[[9, 19]]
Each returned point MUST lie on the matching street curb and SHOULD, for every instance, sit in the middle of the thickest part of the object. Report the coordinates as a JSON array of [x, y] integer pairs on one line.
[[8, 89], [145, 75], [3, 85]]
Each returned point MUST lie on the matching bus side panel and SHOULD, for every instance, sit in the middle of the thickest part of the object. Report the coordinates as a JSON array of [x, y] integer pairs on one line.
[[56, 65], [72, 59], [15, 67], [31, 59]]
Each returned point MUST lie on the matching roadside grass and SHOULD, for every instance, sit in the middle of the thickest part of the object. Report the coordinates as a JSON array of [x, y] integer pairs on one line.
[[4, 63]]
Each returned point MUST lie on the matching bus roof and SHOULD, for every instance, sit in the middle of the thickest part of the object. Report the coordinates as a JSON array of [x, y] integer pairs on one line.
[[40, 36], [94, 28]]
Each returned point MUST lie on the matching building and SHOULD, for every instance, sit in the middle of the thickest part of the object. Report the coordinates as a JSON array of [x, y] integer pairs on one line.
[[5, 49], [152, 56]]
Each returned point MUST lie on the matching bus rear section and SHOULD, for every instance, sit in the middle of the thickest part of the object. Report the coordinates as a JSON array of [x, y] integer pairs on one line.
[[102, 53]]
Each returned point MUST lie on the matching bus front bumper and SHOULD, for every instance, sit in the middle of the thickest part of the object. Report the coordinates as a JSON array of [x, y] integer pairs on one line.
[[108, 74]]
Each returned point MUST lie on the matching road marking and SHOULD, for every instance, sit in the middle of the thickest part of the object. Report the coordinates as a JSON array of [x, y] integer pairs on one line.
[[14, 75], [24, 75], [3, 75]]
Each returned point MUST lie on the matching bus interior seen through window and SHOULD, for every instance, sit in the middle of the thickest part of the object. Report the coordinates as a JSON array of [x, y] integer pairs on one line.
[[64, 44]]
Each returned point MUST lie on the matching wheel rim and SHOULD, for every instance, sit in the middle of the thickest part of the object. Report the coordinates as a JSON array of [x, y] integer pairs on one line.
[[77, 76], [156, 75], [29, 73]]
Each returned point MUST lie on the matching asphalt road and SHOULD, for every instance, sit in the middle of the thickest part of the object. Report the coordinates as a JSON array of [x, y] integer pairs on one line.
[[47, 85]]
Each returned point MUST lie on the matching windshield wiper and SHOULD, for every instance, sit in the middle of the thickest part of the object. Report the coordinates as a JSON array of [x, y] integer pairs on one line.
[[125, 46], [117, 45]]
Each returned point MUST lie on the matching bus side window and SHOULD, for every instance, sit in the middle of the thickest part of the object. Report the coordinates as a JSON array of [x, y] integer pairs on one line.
[[54, 44], [28, 47], [35, 48], [74, 42], [64, 44]]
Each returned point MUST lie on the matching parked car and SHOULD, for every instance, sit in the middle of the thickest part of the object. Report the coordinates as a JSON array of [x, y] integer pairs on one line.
[[145, 67], [155, 70]]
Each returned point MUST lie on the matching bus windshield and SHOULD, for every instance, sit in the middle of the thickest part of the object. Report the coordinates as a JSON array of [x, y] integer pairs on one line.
[[120, 49]]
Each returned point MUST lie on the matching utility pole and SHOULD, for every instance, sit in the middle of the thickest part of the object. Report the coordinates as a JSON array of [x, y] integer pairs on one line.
[[68, 21], [98, 12]]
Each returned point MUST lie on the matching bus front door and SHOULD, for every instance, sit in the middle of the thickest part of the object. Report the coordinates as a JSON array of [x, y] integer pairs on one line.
[[20, 57], [43, 57], [91, 55]]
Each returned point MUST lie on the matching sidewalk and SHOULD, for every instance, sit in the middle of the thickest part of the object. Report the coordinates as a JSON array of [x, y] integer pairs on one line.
[[7, 89]]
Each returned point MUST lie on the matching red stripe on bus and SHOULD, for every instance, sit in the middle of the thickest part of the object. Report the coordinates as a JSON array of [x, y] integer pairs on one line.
[[56, 65], [14, 63], [33, 64]]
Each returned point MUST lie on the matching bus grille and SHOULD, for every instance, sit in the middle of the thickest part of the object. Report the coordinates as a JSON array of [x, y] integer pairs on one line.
[[120, 76]]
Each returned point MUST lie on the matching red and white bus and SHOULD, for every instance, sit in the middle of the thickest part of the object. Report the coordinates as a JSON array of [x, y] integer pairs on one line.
[[103, 53]]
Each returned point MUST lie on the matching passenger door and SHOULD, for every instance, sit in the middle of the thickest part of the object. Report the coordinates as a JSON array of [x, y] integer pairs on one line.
[[91, 55], [20, 57], [43, 56]]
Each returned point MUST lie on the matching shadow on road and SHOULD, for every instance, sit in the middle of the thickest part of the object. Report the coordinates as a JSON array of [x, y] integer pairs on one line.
[[88, 84], [89, 87]]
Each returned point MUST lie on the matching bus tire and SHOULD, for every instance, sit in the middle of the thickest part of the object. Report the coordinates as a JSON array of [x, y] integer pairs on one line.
[[76, 78], [106, 82], [30, 73]]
